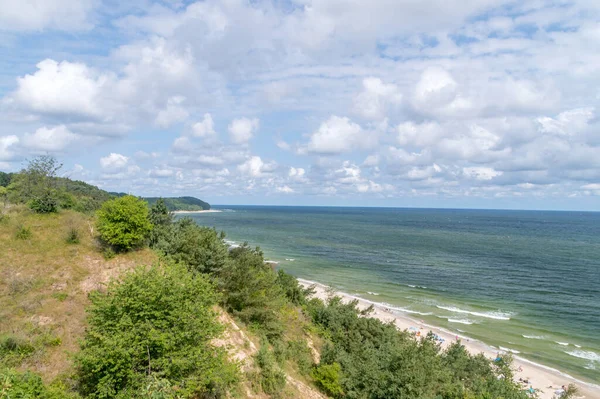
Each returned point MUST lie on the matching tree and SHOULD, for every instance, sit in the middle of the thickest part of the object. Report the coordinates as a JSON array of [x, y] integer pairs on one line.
[[162, 220], [200, 248], [36, 184], [124, 223], [153, 331], [251, 290]]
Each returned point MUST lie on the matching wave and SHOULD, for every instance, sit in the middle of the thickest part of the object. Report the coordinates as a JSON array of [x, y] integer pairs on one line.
[[417, 286], [562, 343], [290, 259], [516, 352], [461, 321], [373, 293], [489, 315], [533, 336], [587, 355], [577, 346]]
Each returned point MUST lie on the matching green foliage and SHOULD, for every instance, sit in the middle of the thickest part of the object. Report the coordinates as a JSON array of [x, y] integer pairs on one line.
[[272, 378], [181, 203], [123, 222], [5, 179], [377, 361], [108, 253], [327, 377], [292, 289], [16, 385], [60, 296], [23, 233], [14, 349], [200, 248], [158, 321], [251, 291], [72, 236], [162, 220]]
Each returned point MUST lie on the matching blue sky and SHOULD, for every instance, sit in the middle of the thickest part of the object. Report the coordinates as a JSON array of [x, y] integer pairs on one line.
[[484, 103]]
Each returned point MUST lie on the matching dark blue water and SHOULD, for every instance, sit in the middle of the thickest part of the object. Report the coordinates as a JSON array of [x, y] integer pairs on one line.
[[524, 280]]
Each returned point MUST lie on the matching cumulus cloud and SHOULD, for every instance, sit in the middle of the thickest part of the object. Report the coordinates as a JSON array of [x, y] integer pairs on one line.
[[6, 147], [50, 139], [61, 89], [113, 162], [37, 15], [376, 99], [242, 130], [254, 167], [204, 128], [338, 135]]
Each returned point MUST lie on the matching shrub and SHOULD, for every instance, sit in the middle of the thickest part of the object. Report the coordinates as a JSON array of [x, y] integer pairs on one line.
[[272, 379], [158, 321], [327, 377], [27, 385], [23, 233], [72, 236], [46, 202], [251, 291], [123, 222], [201, 248], [108, 253]]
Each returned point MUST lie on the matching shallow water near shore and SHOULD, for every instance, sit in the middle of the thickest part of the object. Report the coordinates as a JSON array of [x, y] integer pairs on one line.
[[527, 282]]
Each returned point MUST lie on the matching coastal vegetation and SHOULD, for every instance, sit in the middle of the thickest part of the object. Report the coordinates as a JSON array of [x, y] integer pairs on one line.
[[175, 313]]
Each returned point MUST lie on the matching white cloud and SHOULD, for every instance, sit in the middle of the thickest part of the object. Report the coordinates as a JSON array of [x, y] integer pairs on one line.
[[37, 15], [285, 189], [376, 98], [338, 135], [567, 123], [242, 130], [63, 88], [255, 167], [205, 128], [50, 139], [113, 162], [481, 172], [6, 142], [174, 112]]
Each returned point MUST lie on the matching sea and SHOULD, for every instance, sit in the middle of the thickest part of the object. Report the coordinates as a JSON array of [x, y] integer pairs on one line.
[[526, 282]]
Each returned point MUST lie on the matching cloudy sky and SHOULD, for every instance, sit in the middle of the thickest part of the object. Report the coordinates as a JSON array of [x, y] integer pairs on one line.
[[424, 103]]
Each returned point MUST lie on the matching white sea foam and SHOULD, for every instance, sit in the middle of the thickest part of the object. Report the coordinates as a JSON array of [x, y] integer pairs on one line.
[[516, 352], [489, 315], [417, 286], [533, 336], [373, 293], [577, 346], [562, 343], [461, 321], [290, 259], [588, 355]]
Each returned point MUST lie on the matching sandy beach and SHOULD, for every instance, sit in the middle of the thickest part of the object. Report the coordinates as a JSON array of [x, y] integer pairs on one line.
[[544, 379]]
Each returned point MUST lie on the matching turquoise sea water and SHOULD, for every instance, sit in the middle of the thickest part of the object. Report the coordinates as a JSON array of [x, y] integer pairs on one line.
[[525, 281]]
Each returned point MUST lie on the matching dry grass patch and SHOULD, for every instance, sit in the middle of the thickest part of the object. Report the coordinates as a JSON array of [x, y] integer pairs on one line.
[[44, 281]]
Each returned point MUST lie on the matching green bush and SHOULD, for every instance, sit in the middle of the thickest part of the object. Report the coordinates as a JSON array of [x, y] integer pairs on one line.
[[158, 321], [327, 377], [251, 291], [123, 222], [72, 236], [27, 385], [23, 233], [272, 378], [200, 248]]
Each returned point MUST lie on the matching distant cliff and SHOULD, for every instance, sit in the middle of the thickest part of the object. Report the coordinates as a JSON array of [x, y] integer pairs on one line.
[[181, 203]]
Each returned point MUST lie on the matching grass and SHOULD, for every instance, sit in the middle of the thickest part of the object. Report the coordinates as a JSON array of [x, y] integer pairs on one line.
[[44, 281]]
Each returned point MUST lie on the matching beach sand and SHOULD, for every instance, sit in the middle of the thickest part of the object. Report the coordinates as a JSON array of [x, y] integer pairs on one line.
[[540, 377]]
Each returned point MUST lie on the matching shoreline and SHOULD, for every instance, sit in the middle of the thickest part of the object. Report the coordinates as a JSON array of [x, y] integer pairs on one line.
[[540, 377], [202, 211]]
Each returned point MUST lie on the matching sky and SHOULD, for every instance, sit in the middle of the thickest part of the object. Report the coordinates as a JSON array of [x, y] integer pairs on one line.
[[409, 103]]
